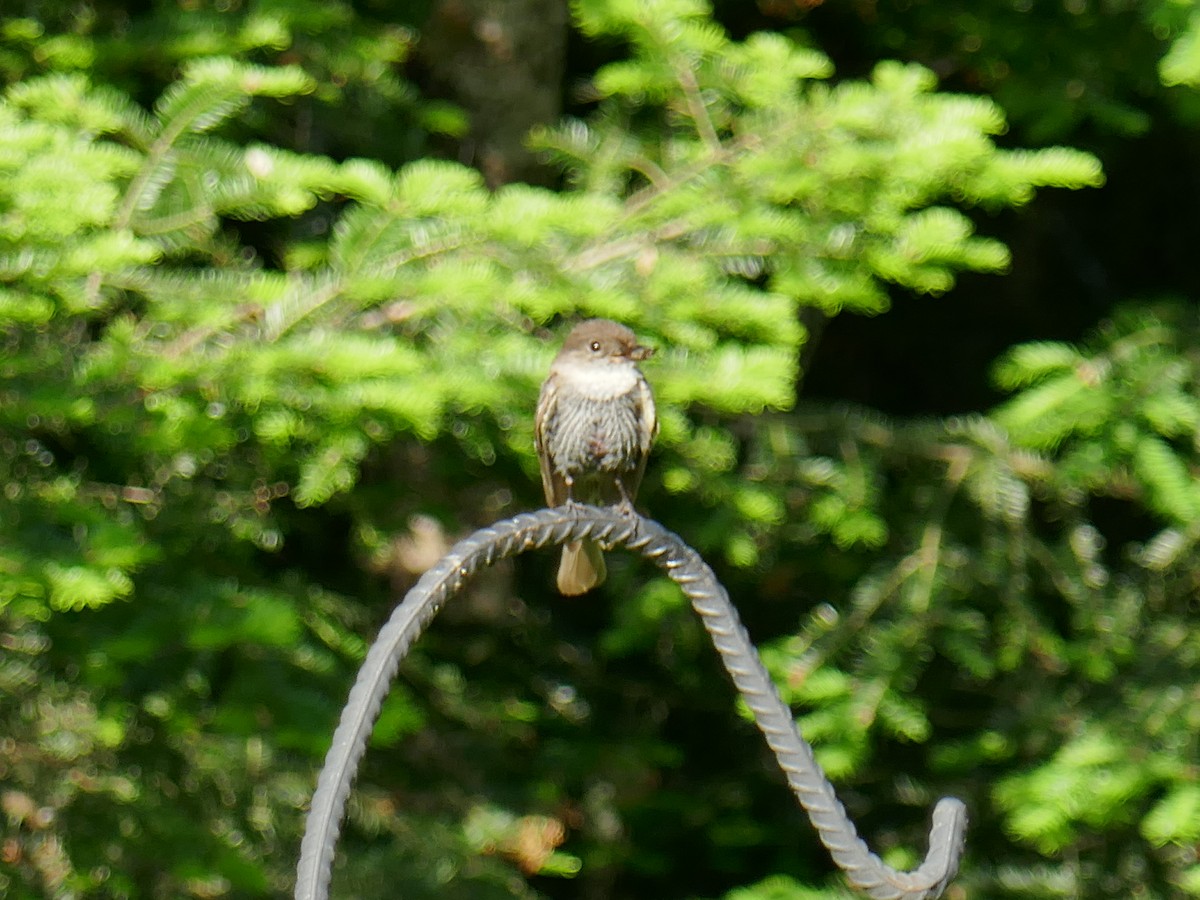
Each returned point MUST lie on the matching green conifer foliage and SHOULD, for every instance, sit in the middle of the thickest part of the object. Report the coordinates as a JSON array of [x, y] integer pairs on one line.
[[1047, 586], [209, 454]]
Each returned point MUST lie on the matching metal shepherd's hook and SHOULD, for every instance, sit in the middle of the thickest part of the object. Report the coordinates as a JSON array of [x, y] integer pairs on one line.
[[612, 527]]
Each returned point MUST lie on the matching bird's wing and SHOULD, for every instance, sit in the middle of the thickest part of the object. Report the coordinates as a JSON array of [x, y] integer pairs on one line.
[[553, 484], [648, 422]]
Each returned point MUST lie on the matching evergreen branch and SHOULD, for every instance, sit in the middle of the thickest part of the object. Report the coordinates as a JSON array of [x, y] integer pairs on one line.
[[930, 551], [389, 264], [651, 171], [697, 110], [922, 563], [400, 259], [378, 227], [180, 221], [189, 340], [864, 609], [301, 303], [868, 699], [669, 182], [607, 251], [1052, 567], [157, 155], [91, 288], [282, 316]]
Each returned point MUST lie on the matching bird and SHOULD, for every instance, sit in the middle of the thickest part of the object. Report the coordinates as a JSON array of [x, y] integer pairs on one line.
[[594, 425]]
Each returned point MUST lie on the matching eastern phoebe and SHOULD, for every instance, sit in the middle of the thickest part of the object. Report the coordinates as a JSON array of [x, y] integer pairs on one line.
[[593, 430]]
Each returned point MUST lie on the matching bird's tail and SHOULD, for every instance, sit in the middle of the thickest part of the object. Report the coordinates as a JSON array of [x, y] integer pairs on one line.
[[581, 568]]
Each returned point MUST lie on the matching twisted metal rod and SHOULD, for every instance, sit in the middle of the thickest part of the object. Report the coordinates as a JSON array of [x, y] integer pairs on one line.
[[613, 528]]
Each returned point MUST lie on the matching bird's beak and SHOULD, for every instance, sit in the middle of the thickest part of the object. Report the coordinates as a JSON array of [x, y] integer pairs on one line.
[[640, 353]]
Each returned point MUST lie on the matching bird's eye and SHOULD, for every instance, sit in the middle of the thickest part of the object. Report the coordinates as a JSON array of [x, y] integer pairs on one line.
[[595, 346]]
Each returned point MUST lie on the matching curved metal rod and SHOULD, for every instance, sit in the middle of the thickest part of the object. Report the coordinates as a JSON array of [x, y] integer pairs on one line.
[[613, 528]]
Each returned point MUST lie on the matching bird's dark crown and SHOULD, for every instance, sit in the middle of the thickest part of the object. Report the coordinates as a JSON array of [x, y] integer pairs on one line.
[[604, 338]]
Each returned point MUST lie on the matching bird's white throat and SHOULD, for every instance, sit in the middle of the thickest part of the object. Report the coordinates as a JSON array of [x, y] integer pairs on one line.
[[599, 381]]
